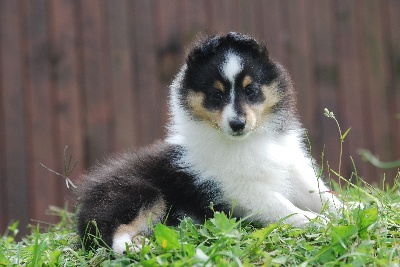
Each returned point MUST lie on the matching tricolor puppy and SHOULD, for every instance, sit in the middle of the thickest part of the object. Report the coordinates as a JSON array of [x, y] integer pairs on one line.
[[234, 139]]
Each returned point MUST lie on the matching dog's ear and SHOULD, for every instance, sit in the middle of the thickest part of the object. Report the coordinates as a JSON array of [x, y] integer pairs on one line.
[[202, 49]]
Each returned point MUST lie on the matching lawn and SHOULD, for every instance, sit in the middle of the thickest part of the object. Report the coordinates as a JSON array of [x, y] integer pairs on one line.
[[365, 233]]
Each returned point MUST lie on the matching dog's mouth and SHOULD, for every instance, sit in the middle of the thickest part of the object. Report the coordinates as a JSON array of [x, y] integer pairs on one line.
[[238, 135], [232, 132]]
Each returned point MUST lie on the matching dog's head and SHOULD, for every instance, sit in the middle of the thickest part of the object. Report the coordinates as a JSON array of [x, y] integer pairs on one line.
[[230, 83]]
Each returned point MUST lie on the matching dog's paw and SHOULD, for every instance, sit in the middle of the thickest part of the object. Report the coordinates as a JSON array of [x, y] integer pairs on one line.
[[134, 244], [120, 243]]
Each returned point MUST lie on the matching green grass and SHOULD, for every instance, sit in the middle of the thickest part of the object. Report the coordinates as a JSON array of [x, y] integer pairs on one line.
[[365, 233]]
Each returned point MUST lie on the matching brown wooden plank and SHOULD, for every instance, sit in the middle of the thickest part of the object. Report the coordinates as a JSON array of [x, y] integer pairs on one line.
[[259, 10], [68, 94], [4, 220], [273, 32], [359, 14], [220, 16], [145, 69], [325, 75], [392, 140], [258, 25], [247, 18], [235, 16], [3, 191], [170, 50], [393, 11], [16, 206], [3, 182], [194, 17], [125, 123], [300, 54], [44, 188], [375, 69], [378, 78], [97, 96], [350, 86]]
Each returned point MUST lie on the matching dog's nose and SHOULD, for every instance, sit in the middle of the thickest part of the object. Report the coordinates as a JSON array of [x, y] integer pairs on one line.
[[237, 124]]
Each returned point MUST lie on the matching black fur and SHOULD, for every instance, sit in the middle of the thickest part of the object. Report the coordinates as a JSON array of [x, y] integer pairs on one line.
[[113, 193]]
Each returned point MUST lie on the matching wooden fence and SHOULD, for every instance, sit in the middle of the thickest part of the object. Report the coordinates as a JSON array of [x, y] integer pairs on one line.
[[93, 75]]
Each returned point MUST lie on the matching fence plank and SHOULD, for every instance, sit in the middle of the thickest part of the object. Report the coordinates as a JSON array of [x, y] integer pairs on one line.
[[220, 16], [146, 84], [15, 173], [169, 50], [325, 75], [66, 86], [372, 66], [393, 53], [235, 15], [350, 87], [3, 177], [300, 66], [43, 187], [3, 186], [377, 77], [98, 107], [194, 17], [274, 30], [122, 87]]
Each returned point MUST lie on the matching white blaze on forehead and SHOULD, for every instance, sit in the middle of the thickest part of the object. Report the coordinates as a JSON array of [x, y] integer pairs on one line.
[[230, 69], [232, 66]]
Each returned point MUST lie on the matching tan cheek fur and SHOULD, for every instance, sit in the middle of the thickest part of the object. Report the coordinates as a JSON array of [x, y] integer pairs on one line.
[[257, 113], [195, 101]]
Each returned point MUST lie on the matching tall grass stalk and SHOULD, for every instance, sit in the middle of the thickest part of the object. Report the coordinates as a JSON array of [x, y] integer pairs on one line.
[[330, 114]]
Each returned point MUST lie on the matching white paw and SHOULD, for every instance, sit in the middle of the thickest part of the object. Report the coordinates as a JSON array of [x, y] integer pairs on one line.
[[120, 242], [135, 244]]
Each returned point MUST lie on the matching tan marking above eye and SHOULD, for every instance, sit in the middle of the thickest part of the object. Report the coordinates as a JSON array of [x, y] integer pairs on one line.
[[219, 86], [246, 81]]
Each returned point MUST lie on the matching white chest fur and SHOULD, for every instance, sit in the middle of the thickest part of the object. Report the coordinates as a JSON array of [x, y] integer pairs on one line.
[[241, 167]]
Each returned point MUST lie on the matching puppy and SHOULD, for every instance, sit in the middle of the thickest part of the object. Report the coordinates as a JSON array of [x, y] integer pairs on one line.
[[234, 139]]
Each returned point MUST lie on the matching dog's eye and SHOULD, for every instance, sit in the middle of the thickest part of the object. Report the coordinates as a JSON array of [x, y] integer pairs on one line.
[[250, 91], [216, 96]]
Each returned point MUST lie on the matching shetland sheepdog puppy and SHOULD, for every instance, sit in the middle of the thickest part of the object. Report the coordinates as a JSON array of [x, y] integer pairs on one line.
[[234, 140]]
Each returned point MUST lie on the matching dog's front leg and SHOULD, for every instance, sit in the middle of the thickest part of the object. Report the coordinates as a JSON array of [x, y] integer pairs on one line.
[[267, 206]]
